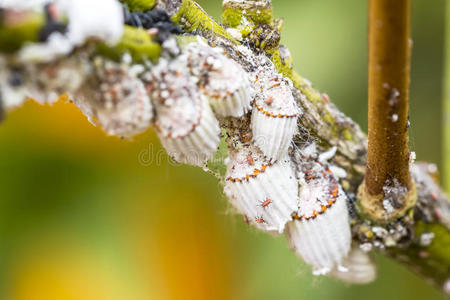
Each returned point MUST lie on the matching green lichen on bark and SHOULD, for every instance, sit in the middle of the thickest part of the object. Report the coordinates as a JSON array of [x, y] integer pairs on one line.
[[346, 134], [135, 41], [250, 12], [233, 17], [139, 5], [192, 17]]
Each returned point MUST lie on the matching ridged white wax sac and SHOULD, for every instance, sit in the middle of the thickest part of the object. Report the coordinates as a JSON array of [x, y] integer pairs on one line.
[[116, 99], [199, 145], [267, 194], [274, 116], [221, 79], [126, 111], [323, 241], [358, 268], [184, 120], [64, 76]]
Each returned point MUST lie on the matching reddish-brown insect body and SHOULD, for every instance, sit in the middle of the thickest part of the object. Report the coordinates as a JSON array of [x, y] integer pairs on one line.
[[250, 160], [276, 85], [325, 97], [266, 203], [310, 175], [259, 220], [269, 100], [245, 137], [434, 196], [246, 220]]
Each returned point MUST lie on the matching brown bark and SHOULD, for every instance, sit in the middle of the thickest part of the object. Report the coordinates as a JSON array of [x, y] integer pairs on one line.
[[389, 67]]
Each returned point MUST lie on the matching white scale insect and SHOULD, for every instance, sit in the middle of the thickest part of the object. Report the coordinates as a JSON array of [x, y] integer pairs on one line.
[[274, 117], [64, 76], [266, 193], [183, 92], [116, 99], [221, 79], [184, 120], [320, 232], [125, 106]]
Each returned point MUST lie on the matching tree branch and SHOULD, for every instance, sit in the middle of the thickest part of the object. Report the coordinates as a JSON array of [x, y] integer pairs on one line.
[[404, 239]]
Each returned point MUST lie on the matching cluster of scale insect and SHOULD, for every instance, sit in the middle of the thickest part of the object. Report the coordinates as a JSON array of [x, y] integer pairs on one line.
[[188, 98], [116, 98], [265, 192], [260, 180]]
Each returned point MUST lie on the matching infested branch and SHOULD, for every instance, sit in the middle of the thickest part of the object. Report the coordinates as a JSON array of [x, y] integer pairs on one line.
[[320, 122]]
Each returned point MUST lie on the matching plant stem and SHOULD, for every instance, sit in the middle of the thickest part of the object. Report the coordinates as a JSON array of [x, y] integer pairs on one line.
[[389, 67], [446, 103], [330, 127]]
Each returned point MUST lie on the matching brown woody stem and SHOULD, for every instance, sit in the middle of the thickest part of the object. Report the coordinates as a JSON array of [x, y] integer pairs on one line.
[[389, 67]]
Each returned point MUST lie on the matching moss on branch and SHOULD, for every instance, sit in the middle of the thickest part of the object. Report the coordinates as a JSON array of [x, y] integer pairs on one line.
[[192, 17], [135, 41], [139, 5], [256, 12]]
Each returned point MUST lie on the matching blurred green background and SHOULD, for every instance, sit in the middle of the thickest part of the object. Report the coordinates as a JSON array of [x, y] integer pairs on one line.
[[85, 216]]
